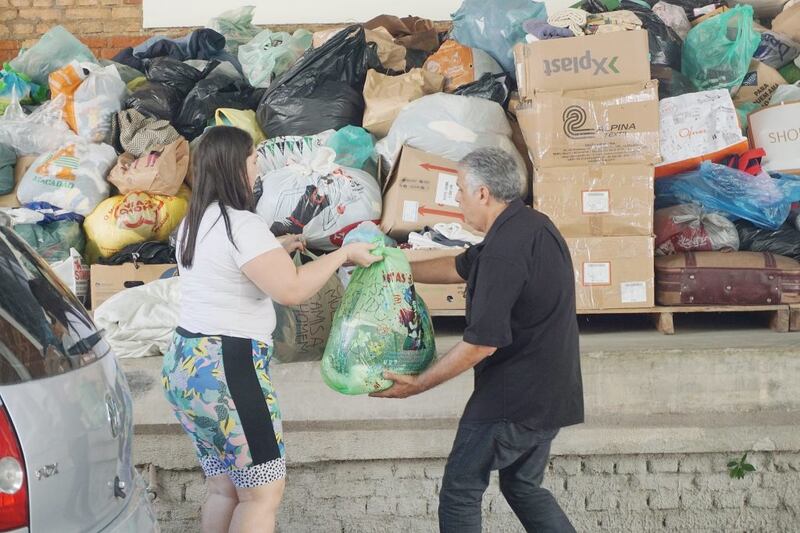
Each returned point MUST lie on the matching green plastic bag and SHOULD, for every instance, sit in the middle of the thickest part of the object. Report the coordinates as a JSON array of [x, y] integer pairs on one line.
[[237, 27], [270, 54], [381, 324], [354, 147], [791, 73], [55, 49], [717, 52], [54, 239], [8, 159]]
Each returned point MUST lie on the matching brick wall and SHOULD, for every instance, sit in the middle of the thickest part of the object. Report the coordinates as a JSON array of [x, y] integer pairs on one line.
[[599, 493]]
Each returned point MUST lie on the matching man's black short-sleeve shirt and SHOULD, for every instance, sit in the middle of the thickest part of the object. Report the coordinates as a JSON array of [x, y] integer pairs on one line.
[[521, 300]]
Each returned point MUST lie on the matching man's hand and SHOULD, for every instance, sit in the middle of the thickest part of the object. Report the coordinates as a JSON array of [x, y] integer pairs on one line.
[[404, 386]]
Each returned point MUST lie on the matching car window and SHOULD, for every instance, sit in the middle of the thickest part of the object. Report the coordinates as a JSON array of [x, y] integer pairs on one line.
[[44, 330]]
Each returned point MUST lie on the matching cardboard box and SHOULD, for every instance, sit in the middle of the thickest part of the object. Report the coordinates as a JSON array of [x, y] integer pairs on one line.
[[597, 201], [420, 191], [788, 22], [589, 62], [448, 297], [22, 165], [759, 84], [613, 272], [108, 280], [612, 125], [776, 129]]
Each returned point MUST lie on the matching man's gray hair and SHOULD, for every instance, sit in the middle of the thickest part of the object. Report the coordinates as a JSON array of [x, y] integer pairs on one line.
[[495, 169]]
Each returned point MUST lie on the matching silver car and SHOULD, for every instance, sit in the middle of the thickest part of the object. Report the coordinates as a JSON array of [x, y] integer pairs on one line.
[[66, 422]]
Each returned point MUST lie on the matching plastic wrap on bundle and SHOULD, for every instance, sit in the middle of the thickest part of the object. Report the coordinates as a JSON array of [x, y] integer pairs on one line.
[[41, 131], [689, 228], [382, 324]]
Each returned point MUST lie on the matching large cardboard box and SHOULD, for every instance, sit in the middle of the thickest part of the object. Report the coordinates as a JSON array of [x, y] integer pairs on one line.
[[612, 125], [776, 129], [588, 62], [420, 191], [613, 272], [22, 165], [451, 298], [108, 280], [597, 201]]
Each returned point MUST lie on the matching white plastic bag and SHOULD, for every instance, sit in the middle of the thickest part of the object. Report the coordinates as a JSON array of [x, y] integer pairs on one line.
[[450, 126], [318, 199], [270, 54], [41, 131], [98, 99], [73, 177], [786, 94]]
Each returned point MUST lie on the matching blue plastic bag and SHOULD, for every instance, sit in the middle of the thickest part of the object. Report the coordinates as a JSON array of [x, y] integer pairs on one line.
[[495, 26], [717, 52], [17, 85], [762, 200]]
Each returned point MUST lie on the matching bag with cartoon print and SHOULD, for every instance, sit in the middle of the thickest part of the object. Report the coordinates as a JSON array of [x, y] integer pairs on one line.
[[381, 324]]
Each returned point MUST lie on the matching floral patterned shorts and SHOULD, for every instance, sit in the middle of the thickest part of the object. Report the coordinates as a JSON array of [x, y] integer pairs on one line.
[[222, 395]]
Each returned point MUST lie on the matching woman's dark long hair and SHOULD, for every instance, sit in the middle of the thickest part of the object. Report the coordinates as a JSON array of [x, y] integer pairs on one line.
[[219, 174]]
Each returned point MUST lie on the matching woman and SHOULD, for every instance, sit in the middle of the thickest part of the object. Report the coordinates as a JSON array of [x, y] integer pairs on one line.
[[216, 373]]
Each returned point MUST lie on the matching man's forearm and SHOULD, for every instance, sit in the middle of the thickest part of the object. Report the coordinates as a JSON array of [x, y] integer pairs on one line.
[[440, 270], [461, 358]]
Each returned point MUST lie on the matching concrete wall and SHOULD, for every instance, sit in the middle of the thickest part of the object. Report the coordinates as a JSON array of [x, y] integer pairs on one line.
[[624, 493]]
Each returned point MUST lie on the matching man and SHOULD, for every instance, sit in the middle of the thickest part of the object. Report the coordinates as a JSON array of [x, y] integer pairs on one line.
[[521, 338]]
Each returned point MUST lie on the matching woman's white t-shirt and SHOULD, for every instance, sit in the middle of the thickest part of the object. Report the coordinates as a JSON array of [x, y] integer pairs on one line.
[[216, 297]]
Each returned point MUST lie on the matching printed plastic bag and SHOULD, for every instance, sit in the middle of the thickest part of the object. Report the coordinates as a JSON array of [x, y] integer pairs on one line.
[[244, 119], [717, 52], [760, 199], [55, 49], [133, 218], [354, 147], [783, 241], [450, 126], [74, 274], [688, 228], [53, 240], [96, 101], [460, 64], [776, 50], [382, 324], [270, 54], [72, 177], [8, 159], [317, 198], [41, 131], [209, 95], [495, 26], [14, 84], [301, 331], [385, 96], [280, 152], [65, 81], [321, 92], [237, 27], [160, 171]]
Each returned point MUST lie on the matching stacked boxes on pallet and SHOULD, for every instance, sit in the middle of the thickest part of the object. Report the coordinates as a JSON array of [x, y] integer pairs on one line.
[[589, 115]]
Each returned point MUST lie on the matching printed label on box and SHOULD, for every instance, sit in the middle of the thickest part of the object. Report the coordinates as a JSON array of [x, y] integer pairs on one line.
[[410, 211], [596, 202], [633, 292], [446, 190], [597, 273]]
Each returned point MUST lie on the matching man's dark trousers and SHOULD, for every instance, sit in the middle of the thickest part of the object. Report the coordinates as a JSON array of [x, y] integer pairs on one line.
[[521, 454]]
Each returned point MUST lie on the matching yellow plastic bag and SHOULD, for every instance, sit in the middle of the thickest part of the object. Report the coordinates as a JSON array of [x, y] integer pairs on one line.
[[244, 119], [133, 218]]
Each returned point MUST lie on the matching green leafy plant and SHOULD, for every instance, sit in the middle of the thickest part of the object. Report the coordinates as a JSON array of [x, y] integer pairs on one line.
[[738, 469]]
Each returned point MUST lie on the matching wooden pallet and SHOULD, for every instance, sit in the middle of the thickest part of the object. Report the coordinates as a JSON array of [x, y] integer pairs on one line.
[[783, 318]]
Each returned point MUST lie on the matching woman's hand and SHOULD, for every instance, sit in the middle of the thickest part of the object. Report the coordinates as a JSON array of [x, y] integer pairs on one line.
[[359, 253], [292, 243]]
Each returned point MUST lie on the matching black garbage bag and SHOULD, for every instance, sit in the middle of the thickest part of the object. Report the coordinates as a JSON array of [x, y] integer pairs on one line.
[[322, 91], [785, 241], [666, 46], [156, 100], [671, 82], [147, 253], [489, 86], [174, 73], [207, 96]]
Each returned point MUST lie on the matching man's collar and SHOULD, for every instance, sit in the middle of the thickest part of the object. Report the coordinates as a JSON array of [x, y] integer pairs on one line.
[[511, 209]]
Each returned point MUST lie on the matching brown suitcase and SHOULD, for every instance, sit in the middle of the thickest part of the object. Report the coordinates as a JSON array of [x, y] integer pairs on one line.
[[720, 278]]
